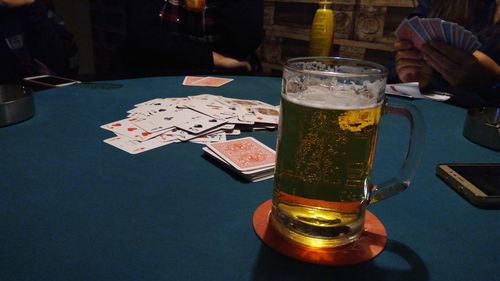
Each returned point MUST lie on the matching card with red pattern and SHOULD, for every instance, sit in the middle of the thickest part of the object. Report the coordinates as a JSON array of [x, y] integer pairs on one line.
[[245, 154]]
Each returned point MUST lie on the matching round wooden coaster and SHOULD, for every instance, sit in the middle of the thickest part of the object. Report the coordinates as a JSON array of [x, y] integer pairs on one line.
[[371, 242]]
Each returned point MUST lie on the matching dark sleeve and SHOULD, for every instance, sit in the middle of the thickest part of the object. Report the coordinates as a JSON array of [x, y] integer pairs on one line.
[[240, 25], [154, 47], [49, 41]]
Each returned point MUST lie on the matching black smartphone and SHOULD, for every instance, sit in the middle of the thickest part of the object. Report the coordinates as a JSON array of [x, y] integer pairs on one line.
[[50, 81], [478, 183]]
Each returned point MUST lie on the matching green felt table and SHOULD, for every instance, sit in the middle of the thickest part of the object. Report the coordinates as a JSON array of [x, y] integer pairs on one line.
[[75, 208]]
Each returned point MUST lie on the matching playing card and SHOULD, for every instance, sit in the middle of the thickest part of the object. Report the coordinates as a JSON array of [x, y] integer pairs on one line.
[[245, 154], [217, 136], [437, 29], [133, 146], [127, 128], [212, 108], [465, 40], [428, 27], [212, 82], [200, 124], [189, 80], [448, 31], [266, 114], [169, 136], [166, 120], [416, 24], [254, 175], [406, 32], [156, 101]]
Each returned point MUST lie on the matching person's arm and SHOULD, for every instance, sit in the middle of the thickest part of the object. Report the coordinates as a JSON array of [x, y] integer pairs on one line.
[[15, 3], [49, 41], [474, 72]]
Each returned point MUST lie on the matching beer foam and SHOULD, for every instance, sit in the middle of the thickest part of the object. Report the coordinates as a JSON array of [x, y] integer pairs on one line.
[[336, 97]]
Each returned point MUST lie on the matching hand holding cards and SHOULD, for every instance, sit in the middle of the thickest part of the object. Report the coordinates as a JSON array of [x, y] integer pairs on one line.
[[422, 30]]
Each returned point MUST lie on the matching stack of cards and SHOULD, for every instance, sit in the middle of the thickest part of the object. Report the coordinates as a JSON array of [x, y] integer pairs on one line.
[[205, 81], [421, 30], [248, 157], [200, 119]]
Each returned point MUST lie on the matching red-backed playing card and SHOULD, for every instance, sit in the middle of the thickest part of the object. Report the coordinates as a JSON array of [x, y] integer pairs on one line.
[[245, 154]]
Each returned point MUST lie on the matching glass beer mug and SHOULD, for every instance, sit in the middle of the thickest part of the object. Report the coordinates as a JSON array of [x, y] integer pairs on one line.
[[330, 114]]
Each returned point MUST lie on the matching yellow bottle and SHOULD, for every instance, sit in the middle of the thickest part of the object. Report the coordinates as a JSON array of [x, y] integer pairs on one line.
[[322, 29]]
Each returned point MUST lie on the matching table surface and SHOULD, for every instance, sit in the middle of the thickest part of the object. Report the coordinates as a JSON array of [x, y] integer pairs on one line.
[[75, 208]]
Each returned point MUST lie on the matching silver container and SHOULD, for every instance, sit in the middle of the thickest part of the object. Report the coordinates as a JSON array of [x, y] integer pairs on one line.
[[16, 104], [482, 126]]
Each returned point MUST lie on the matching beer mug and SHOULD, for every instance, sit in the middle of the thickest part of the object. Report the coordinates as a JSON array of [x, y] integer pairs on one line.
[[330, 114]]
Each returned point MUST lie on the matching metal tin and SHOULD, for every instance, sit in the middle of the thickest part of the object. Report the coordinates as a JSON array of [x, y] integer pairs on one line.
[[482, 126], [16, 104]]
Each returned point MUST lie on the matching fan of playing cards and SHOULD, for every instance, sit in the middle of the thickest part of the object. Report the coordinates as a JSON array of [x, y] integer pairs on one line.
[[200, 119], [421, 30]]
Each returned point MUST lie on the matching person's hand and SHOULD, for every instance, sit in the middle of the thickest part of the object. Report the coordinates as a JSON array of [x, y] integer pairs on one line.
[[16, 3], [469, 71], [226, 63], [410, 65]]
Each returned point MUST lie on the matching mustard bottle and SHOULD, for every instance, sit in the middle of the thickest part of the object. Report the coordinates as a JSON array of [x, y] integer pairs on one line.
[[322, 29]]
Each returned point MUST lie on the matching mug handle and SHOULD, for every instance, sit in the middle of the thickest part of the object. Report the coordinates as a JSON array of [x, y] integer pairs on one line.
[[401, 182]]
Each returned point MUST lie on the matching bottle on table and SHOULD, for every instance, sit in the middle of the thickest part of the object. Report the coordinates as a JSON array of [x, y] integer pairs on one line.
[[322, 30]]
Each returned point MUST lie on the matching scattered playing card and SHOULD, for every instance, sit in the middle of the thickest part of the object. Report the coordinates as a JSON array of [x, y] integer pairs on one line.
[[200, 124], [201, 119], [205, 81], [212, 82], [189, 80], [133, 146]]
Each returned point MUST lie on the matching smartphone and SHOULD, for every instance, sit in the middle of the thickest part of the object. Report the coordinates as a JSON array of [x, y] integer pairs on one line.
[[478, 183], [50, 81]]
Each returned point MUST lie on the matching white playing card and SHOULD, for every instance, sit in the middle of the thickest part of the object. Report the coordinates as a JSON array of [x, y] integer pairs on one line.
[[156, 101], [127, 128], [266, 114], [200, 124], [212, 108], [216, 136], [166, 120], [133, 146]]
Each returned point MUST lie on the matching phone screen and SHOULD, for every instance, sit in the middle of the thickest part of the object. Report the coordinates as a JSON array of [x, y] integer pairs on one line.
[[486, 178], [52, 80]]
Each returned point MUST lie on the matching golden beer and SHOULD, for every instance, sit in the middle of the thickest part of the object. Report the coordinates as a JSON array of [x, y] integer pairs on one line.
[[324, 162]]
